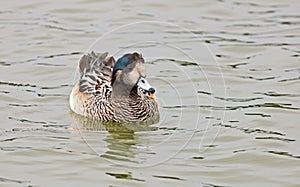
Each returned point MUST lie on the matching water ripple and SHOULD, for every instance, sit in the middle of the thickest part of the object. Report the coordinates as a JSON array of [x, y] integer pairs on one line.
[[127, 176], [23, 105], [17, 84], [2, 179], [262, 105], [258, 79], [168, 177], [290, 79], [250, 130], [258, 114], [275, 138], [46, 57], [275, 94], [239, 99], [283, 153]]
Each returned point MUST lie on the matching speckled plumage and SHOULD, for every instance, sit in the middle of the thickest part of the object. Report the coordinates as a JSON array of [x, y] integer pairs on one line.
[[101, 95]]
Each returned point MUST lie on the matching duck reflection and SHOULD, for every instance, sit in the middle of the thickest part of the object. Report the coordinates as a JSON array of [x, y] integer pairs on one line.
[[122, 142]]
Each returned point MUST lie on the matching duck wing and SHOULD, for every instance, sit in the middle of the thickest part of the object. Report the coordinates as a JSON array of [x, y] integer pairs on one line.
[[96, 73]]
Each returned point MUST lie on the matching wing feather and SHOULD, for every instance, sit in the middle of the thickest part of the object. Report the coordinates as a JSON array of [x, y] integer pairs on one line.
[[95, 74]]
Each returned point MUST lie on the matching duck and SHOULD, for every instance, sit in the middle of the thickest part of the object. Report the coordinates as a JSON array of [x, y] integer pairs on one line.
[[114, 91]]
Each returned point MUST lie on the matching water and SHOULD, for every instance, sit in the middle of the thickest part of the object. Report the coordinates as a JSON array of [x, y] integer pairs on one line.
[[226, 75]]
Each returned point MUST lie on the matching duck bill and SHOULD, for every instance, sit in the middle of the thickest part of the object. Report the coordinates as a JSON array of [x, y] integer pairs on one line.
[[144, 84]]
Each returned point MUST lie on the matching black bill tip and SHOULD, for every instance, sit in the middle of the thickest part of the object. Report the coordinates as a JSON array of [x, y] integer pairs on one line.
[[151, 90]]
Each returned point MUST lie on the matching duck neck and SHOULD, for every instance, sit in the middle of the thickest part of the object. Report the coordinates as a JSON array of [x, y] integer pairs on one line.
[[120, 89]]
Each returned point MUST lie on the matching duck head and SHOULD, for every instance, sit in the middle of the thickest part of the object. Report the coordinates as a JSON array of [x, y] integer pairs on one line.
[[129, 73]]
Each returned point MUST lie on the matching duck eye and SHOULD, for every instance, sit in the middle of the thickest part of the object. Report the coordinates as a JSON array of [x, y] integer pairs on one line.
[[143, 81]]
